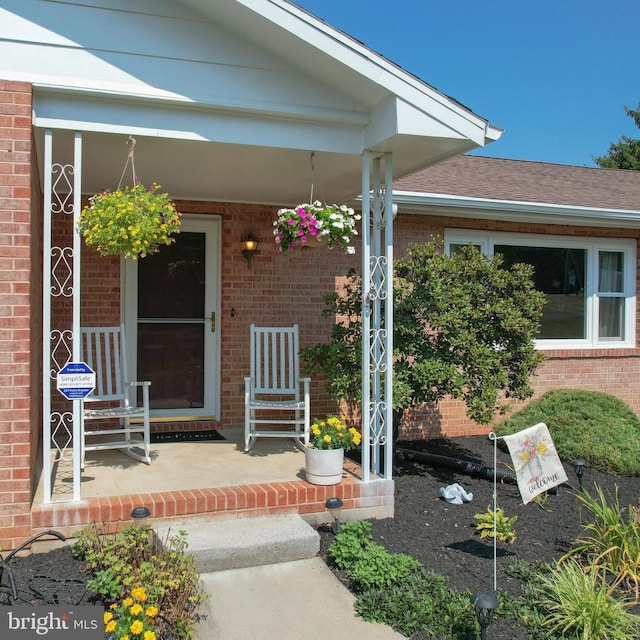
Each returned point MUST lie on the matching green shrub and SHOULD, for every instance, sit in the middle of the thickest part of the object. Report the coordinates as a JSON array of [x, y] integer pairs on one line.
[[611, 543], [136, 558], [422, 603], [378, 568], [587, 425], [579, 606], [350, 543]]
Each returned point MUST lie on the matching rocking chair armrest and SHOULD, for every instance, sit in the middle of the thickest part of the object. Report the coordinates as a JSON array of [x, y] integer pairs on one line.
[[140, 383]]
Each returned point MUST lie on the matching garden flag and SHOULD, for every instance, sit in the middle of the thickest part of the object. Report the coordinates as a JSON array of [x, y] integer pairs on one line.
[[535, 461]]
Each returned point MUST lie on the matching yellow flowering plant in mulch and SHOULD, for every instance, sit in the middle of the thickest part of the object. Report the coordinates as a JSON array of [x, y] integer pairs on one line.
[[332, 433], [130, 221], [132, 619]]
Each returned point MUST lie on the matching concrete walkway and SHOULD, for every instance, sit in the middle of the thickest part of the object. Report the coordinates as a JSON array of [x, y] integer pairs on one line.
[[267, 582], [297, 600]]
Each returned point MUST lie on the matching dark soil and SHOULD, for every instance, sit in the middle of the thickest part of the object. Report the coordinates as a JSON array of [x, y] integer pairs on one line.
[[55, 578], [441, 535]]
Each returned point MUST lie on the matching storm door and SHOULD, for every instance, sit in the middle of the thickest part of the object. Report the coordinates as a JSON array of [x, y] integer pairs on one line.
[[172, 308]]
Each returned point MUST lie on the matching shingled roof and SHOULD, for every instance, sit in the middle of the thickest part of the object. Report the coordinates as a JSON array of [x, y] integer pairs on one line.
[[526, 181]]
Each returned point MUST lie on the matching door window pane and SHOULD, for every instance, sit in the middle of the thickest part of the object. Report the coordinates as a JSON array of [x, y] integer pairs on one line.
[[172, 356], [560, 274], [171, 282]]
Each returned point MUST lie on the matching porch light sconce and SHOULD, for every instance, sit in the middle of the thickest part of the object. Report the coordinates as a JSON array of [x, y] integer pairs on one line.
[[139, 515], [334, 507], [249, 247], [578, 467], [485, 605]]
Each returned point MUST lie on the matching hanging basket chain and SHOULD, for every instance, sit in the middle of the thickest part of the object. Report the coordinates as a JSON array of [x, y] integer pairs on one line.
[[131, 141]]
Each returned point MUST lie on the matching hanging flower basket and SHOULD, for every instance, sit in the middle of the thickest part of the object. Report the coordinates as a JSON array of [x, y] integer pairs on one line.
[[131, 221], [309, 225]]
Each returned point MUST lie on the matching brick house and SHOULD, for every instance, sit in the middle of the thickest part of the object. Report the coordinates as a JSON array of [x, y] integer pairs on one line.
[[578, 226], [238, 107]]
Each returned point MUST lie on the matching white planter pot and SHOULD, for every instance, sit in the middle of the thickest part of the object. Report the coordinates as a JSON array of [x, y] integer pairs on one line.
[[324, 467]]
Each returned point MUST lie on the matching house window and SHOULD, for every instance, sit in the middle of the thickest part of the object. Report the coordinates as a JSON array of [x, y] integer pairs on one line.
[[588, 284]]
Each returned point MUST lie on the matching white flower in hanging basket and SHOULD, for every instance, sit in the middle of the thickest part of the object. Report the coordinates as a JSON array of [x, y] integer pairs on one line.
[[309, 224], [131, 221]]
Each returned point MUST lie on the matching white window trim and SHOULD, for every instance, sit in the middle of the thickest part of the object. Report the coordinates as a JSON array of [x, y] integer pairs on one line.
[[488, 239]]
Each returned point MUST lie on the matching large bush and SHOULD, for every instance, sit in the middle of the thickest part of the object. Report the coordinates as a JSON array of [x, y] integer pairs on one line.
[[587, 425]]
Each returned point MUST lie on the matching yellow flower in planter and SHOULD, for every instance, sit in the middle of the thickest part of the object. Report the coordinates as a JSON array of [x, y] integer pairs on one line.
[[131, 221], [333, 434]]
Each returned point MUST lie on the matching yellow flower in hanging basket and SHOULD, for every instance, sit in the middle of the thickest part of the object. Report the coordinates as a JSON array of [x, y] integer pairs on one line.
[[131, 221]]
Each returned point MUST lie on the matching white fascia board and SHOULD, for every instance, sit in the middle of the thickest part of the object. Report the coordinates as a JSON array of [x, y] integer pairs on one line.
[[59, 108], [377, 69], [514, 210], [394, 117]]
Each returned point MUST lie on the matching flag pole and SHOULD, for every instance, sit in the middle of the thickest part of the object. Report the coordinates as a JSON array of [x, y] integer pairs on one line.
[[494, 437]]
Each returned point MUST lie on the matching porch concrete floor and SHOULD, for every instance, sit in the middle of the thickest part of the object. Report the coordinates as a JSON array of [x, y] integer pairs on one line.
[[183, 465]]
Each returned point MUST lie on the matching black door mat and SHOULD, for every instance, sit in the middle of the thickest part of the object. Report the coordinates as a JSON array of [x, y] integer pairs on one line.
[[186, 436]]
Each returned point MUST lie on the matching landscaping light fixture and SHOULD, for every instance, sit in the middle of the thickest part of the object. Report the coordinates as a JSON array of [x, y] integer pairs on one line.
[[139, 515], [485, 605], [249, 247], [578, 467], [334, 507]]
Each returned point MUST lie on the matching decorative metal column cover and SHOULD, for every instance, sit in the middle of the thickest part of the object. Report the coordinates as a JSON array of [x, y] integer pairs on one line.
[[377, 315], [60, 343]]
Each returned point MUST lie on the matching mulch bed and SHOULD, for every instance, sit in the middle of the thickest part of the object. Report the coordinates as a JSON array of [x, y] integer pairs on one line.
[[442, 536]]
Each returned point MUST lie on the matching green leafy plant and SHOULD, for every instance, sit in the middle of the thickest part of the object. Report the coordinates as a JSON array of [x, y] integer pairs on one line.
[[421, 605], [331, 433], [579, 605], [308, 224], [496, 524], [611, 543], [379, 568], [463, 327], [131, 221], [135, 558], [350, 543]]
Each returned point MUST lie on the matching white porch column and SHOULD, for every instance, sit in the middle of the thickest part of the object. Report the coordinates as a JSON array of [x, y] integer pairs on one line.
[[377, 315], [60, 335]]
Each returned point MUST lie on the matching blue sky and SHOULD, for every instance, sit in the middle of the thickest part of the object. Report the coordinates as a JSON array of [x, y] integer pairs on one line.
[[555, 74]]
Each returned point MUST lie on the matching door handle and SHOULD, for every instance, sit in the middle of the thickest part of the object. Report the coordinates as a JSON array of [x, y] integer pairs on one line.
[[212, 319]]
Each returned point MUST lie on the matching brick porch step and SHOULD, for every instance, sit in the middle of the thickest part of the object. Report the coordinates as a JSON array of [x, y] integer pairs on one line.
[[235, 543]]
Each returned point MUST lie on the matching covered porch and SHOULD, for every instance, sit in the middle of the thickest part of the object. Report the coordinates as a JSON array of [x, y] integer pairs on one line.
[[204, 479], [238, 108]]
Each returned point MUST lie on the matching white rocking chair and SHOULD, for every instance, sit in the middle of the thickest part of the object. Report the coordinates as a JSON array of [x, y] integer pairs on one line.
[[114, 398], [275, 386]]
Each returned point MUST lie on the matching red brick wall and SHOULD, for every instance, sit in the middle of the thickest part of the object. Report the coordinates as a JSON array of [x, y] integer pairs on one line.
[[287, 288], [613, 371], [18, 407]]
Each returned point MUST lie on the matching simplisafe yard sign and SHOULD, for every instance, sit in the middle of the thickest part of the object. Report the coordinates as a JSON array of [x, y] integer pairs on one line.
[[76, 380]]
